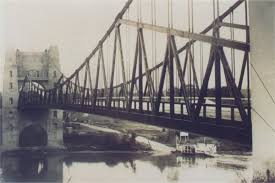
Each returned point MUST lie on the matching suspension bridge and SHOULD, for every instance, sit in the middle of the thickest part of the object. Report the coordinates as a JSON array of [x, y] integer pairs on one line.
[[174, 77]]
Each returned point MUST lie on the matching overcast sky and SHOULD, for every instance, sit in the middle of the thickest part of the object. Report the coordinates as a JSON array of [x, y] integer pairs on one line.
[[75, 26]]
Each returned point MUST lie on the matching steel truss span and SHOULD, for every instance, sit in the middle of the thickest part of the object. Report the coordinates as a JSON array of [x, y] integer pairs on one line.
[[174, 92]]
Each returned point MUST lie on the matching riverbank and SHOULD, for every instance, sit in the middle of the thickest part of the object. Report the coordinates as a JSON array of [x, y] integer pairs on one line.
[[153, 145], [89, 139], [157, 134], [83, 137]]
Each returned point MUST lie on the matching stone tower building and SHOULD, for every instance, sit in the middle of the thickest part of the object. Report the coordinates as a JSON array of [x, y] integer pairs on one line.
[[20, 128]]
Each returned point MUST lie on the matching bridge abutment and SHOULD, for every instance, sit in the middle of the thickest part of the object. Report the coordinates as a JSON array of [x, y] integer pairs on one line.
[[262, 34]]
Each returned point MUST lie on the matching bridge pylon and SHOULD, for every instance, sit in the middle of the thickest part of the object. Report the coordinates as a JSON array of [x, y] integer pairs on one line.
[[33, 127]]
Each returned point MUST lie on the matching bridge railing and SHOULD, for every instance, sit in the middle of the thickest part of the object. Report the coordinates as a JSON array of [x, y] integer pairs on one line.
[[37, 97]]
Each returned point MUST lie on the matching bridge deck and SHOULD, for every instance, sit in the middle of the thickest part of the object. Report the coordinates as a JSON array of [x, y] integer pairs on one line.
[[224, 129]]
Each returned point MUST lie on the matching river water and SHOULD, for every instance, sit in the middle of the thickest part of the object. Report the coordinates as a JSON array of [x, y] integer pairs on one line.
[[120, 167]]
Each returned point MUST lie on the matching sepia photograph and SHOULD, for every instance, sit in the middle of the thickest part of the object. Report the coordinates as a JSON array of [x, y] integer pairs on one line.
[[137, 91]]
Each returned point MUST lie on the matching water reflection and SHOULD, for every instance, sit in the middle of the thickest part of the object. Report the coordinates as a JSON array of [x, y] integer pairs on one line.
[[122, 167], [31, 167]]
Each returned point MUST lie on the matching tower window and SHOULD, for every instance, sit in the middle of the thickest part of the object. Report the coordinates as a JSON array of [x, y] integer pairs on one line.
[[55, 114], [11, 85], [64, 115], [11, 100], [54, 74], [11, 74], [37, 73]]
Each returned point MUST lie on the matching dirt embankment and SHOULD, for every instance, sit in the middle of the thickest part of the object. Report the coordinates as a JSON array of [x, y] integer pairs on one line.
[[84, 138], [158, 134]]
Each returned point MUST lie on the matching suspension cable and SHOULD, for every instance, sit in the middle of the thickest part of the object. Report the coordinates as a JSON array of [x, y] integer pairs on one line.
[[152, 38], [130, 41], [108, 57], [214, 11], [126, 50], [171, 7], [168, 13], [193, 52], [262, 82], [264, 120], [116, 65], [188, 16], [155, 42], [128, 46], [188, 56], [272, 98], [140, 10], [192, 16], [218, 8]]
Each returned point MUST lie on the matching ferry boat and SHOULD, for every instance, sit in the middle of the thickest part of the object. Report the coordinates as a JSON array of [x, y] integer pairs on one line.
[[184, 147]]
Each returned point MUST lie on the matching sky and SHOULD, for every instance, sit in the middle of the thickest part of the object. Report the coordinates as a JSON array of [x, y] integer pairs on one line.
[[74, 26]]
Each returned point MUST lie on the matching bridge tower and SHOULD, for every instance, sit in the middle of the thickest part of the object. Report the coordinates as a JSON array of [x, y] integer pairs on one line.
[[19, 128]]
